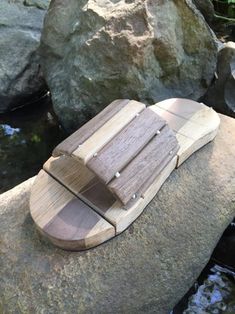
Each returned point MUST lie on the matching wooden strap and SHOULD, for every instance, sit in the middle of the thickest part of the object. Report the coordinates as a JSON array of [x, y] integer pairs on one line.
[[140, 169], [125, 145], [69, 172], [81, 135], [107, 132]]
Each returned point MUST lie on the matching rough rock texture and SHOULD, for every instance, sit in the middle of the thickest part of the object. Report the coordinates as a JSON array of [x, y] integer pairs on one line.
[[221, 94], [207, 9], [96, 51], [146, 269], [40, 4], [20, 75]]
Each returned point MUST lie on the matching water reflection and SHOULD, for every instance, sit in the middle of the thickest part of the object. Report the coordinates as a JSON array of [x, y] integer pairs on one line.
[[8, 130], [27, 138], [214, 293]]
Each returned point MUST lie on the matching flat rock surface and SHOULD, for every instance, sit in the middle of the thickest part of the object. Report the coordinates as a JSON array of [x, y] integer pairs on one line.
[[146, 269]]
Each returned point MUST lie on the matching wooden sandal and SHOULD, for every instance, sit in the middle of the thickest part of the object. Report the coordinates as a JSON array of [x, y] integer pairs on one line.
[[101, 178]]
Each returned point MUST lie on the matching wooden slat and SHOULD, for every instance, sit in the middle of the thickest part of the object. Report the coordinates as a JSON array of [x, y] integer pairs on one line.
[[142, 166], [65, 218], [81, 135], [68, 171], [125, 145], [158, 171], [121, 217], [200, 123], [80, 181], [107, 132], [184, 108]]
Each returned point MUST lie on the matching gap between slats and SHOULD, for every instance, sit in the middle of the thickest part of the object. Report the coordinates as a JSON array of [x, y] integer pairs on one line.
[[83, 199]]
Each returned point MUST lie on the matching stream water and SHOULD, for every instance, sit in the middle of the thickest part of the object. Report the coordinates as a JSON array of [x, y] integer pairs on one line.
[[27, 138], [212, 293]]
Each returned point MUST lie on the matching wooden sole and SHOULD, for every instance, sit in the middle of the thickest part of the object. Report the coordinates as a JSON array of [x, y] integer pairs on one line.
[[76, 211]]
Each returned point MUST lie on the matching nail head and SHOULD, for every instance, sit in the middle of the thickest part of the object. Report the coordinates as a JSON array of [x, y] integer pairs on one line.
[[134, 196], [117, 174]]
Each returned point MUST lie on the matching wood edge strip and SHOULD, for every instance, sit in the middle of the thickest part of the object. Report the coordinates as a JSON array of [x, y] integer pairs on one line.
[[79, 159], [58, 151]]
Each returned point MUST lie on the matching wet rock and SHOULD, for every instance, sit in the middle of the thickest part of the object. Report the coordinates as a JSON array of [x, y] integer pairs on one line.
[[224, 251], [96, 51], [207, 9], [221, 94], [20, 74], [147, 268], [215, 294]]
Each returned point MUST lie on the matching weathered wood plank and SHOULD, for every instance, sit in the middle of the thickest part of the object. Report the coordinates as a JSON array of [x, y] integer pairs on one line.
[[157, 172], [140, 169], [80, 181], [121, 217], [107, 132], [125, 145], [64, 218], [82, 134], [69, 172]]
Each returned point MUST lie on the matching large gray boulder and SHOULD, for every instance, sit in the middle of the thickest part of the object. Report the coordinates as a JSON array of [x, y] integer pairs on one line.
[[20, 75], [221, 94], [206, 8], [40, 4], [147, 268], [96, 51]]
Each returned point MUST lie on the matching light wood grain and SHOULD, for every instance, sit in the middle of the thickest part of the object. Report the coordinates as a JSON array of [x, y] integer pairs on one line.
[[64, 218], [80, 181], [201, 123], [107, 132], [69, 172], [83, 133], [194, 127], [189, 146], [125, 145], [140, 169], [181, 107]]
